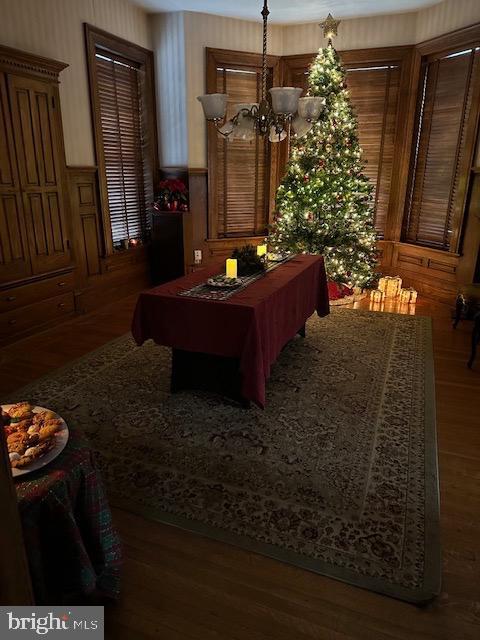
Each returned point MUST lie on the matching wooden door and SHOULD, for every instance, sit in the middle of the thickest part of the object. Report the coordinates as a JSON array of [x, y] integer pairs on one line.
[[41, 170], [14, 257]]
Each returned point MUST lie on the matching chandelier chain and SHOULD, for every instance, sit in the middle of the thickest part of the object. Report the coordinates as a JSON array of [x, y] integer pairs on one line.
[[265, 13]]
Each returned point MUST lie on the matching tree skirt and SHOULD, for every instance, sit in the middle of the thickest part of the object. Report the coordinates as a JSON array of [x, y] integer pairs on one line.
[[354, 297], [337, 475]]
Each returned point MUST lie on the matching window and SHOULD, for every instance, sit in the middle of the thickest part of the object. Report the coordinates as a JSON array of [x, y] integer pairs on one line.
[[122, 100], [374, 92], [240, 190], [442, 149]]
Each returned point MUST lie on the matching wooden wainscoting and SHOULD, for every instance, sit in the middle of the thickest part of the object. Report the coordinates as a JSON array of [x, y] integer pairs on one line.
[[99, 279], [223, 247], [198, 195], [432, 272]]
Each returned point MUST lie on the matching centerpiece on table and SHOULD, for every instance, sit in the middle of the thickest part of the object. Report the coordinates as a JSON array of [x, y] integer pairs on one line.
[[245, 261], [172, 195], [249, 260]]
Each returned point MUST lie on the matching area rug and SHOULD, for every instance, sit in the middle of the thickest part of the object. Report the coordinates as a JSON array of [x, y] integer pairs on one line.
[[337, 475]]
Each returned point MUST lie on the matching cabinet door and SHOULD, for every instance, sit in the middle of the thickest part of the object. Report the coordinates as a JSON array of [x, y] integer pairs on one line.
[[41, 170], [14, 258]]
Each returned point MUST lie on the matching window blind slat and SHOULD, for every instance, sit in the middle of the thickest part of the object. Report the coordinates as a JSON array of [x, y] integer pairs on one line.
[[242, 180], [442, 113], [123, 142]]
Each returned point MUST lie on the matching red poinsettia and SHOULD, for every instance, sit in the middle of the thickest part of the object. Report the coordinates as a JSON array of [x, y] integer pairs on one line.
[[172, 194]]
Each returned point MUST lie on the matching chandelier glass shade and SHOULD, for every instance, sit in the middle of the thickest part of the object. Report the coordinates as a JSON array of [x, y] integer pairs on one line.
[[267, 118]]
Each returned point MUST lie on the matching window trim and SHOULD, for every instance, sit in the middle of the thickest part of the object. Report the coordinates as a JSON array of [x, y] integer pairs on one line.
[[97, 38], [428, 52], [223, 58]]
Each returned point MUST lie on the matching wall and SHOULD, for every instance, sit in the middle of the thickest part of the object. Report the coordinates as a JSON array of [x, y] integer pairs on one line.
[[386, 30], [204, 30], [358, 33], [446, 16], [53, 28], [168, 41]]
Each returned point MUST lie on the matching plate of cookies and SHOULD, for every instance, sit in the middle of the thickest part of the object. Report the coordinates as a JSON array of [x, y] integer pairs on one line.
[[35, 436]]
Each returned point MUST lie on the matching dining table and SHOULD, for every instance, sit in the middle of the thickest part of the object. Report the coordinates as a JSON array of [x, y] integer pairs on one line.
[[230, 343]]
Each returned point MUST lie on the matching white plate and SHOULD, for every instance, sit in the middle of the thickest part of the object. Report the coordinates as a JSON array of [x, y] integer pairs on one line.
[[61, 437]]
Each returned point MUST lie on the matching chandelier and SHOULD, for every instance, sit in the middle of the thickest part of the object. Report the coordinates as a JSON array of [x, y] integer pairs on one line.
[[272, 119]]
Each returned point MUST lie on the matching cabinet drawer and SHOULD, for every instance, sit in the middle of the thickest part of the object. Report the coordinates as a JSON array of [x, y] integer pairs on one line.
[[23, 320], [30, 293]]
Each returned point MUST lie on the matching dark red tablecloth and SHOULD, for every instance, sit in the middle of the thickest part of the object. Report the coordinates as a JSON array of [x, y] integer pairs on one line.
[[253, 325]]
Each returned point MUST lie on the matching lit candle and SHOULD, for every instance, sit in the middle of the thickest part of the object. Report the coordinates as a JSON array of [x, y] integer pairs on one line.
[[261, 249], [231, 268]]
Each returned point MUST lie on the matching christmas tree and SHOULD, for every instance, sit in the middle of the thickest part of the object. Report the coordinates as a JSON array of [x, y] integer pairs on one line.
[[324, 202]]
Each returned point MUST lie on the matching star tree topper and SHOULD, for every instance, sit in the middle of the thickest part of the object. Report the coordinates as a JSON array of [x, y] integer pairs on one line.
[[330, 27]]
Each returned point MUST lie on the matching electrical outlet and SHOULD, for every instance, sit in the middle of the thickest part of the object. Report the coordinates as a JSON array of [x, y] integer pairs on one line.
[[198, 256]]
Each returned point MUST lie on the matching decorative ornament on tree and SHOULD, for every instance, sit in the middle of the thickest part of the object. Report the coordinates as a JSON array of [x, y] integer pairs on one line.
[[337, 197]]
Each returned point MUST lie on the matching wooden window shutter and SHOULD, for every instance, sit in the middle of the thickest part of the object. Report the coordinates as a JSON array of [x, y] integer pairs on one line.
[[242, 167], [441, 149], [374, 94], [123, 138]]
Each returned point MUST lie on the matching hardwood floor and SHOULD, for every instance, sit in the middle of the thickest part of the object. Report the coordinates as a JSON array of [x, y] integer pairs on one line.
[[180, 586]]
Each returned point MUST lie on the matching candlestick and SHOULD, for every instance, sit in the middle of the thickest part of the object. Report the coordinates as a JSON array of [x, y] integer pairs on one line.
[[231, 268]]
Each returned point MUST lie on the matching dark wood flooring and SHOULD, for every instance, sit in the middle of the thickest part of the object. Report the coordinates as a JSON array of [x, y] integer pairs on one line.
[[180, 586]]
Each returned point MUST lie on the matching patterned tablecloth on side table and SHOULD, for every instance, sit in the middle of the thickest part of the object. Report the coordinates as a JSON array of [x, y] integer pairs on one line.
[[73, 550]]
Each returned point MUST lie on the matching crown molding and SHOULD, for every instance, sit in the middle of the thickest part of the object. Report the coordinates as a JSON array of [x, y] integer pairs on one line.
[[18, 61]]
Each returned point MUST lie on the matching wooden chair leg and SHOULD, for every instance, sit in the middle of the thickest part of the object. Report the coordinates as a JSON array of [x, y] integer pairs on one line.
[[475, 339], [459, 308]]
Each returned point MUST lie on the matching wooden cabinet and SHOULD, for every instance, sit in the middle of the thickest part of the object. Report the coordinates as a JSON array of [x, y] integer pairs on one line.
[[41, 167], [35, 261], [170, 247], [14, 254]]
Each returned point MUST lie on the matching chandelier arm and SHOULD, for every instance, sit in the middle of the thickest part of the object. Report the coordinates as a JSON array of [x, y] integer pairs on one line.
[[217, 124]]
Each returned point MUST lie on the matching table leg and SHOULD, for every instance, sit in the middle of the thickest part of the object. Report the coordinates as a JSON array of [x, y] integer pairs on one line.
[[475, 340], [207, 372]]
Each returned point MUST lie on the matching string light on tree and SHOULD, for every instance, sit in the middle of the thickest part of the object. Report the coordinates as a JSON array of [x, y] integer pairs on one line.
[[324, 202]]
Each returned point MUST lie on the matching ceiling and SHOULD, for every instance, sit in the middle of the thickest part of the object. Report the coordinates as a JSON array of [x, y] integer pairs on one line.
[[289, 11]]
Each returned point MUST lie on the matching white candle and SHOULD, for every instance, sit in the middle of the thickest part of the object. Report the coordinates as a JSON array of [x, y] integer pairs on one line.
[[261, 249], [231, 268]]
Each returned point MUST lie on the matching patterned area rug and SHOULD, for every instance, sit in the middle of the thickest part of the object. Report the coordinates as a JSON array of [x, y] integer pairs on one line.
[[337, 475]]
